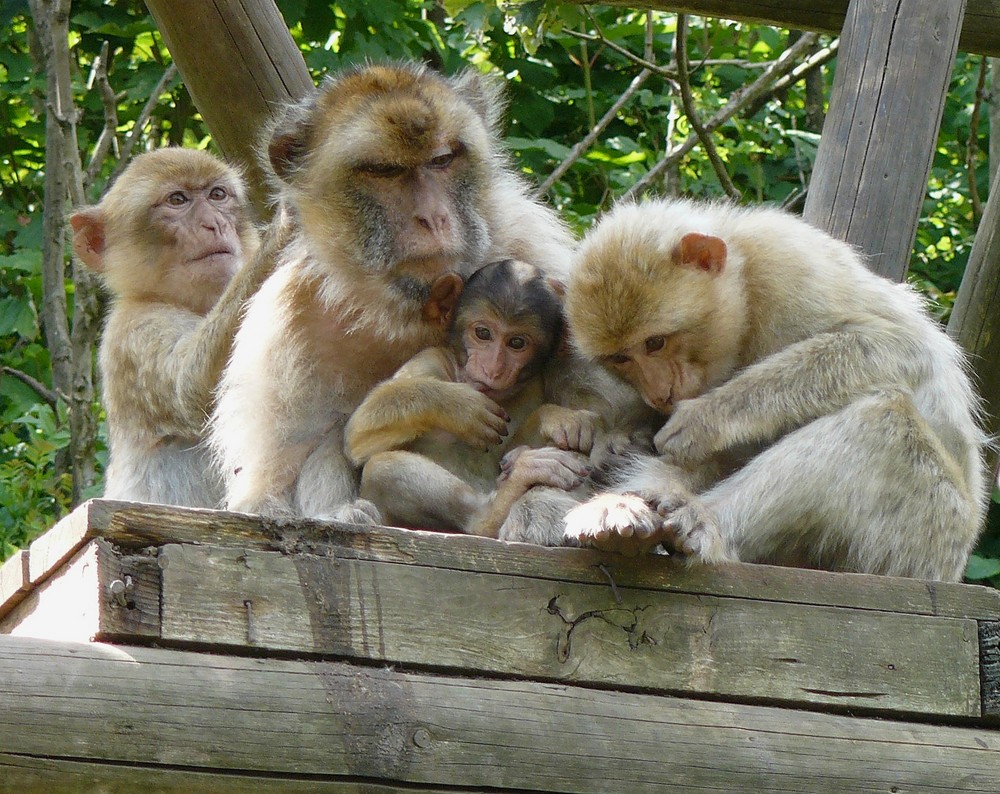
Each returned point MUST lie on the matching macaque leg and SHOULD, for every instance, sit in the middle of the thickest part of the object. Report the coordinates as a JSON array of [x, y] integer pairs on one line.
[[413, 491], [327, 485], [790, 505], [537, 517]]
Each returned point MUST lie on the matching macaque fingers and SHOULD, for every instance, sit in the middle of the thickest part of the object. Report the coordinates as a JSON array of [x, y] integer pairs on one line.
[[623, 523], [552, 467]]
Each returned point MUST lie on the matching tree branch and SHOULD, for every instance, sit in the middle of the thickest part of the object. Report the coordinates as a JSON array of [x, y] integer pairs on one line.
[[48, 395], [972, 144], [684, 80], [133, 135], [738, 100]]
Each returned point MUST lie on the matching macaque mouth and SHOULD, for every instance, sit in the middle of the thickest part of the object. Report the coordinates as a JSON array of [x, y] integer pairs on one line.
[[222, 250]]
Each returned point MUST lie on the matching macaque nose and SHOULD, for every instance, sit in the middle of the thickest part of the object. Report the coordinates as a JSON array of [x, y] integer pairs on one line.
[[434, 222]]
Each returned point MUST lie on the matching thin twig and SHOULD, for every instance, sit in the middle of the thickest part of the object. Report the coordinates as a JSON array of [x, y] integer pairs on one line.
[[588, 140], [48, 395], [134, 134], [99, 75], [631, 56], [738, 100], [692, 113]]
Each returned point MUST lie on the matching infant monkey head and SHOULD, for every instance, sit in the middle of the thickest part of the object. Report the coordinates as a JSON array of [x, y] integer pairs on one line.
[[508, 322]]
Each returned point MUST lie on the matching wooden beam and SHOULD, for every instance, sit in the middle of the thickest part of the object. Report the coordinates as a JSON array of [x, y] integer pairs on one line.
[[870, 177], [734, 648], [980, 30], [333, 721], [239, 62]]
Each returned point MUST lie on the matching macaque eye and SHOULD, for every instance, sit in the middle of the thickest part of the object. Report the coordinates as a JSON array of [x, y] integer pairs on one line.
[[618, 359], [177, 199], [517, 343], [382, 170], [654, 343], [482, 333], [442, 161], [218, 193]]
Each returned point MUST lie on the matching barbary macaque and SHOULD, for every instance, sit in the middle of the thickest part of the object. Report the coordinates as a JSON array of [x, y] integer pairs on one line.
[[399, 188], [818, 416], [170, 239], [432, 438]]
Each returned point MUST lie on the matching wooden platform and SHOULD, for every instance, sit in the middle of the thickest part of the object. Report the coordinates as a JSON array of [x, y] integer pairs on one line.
[[192, 650]]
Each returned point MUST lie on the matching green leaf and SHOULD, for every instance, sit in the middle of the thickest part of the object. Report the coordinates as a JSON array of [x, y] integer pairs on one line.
[[982, 567]]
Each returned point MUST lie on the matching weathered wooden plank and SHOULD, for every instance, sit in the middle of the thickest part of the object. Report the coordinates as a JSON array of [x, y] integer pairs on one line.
[[135, 526], [893, 71], [512, 625], [151, 706], [989, 666], [980, 29], [29, 775], [50, 550], [15, 581], [65, 606]]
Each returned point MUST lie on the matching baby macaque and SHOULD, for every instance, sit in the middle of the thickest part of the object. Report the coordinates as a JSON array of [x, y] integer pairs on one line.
[[170, 238], [818, 416], [433, 438]]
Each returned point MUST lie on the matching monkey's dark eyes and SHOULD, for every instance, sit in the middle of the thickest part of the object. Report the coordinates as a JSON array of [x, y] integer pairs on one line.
[[177, 199], [382, 170], [442, 160], [218, 193], [618, 358], [654, 343], [517, 343], [482, 333]]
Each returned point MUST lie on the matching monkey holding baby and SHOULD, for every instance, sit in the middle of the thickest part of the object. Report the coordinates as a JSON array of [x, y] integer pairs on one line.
[[398, 189], [435, 436], [816, 414]]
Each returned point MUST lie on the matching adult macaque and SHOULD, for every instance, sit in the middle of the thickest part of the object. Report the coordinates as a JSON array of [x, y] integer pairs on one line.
[[432, 438], [818, 415], [170, 239], [396, 180]]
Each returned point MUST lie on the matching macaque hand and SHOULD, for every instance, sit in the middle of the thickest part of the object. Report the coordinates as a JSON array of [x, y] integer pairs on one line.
[[525, 468], [687, 439], [693, 530], [473, 417], [570, 428], [624, 523]]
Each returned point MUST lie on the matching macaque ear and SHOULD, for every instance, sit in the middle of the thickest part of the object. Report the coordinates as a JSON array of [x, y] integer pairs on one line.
[[557, 287], [88, 237], [485, 93], [440, 306], [701, 251]]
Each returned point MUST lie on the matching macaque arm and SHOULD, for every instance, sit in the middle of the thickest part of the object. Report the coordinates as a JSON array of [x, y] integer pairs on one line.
[[422, 396], [787, 390], [199, 358], [524, 468]]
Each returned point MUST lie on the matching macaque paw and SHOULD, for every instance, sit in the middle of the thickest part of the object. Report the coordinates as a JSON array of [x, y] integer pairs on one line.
[[693, 530], [574, 429], [624, 523], [686, 439], [479, 421], [360, 511], [556, 468]]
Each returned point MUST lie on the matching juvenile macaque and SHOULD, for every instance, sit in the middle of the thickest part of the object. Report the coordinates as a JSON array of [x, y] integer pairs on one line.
[[170, 239], [817, 415], [432, 438], [396, 180]]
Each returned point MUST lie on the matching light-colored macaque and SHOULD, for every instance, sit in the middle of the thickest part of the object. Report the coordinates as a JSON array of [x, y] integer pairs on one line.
[[817, 415], [435, 437], [396, 179], [170, 239]]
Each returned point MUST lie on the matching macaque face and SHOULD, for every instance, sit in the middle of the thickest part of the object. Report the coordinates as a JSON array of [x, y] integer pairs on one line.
[[500, 355], [196, 226], [404, 171], [663, 367]]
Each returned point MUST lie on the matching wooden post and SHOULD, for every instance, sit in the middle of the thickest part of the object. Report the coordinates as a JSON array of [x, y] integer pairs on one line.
[[870, 176], [240, 63]]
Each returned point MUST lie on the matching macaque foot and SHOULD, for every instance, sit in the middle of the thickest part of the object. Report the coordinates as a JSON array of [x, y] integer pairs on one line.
[[693, 530], [624, 523], [360, 511]]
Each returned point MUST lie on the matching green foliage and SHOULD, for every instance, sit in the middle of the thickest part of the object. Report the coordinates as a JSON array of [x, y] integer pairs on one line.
[[564, 69]]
